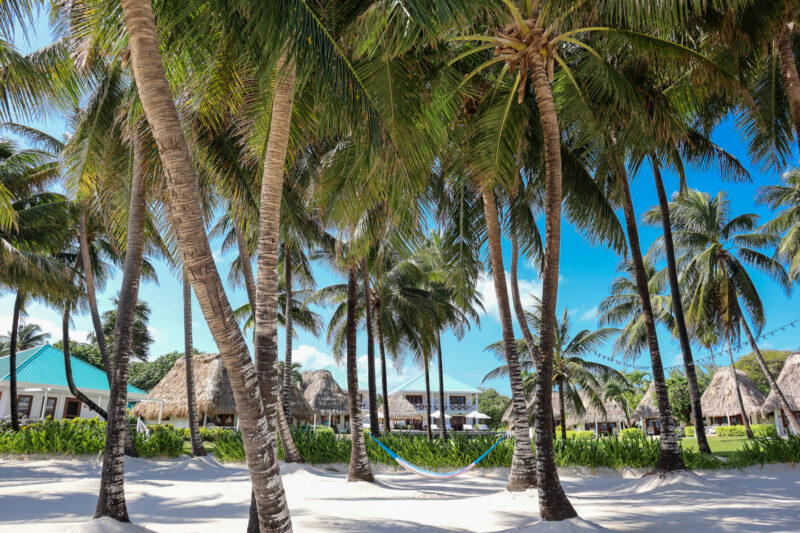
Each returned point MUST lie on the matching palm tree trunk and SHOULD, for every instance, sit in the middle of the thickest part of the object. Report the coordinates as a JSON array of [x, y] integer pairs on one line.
[[290, 452], [68, 368], [244, 259], [739, 393], [553, 503], [670, 458], [198, 450], [12, 360], [442, 402], [561, 405], [517, 301], [428, 398], [88, 275], [384, 385], [112, 496], [523, 463], [184, 207], [374, 423], [266, 309], [287, 315], [677, 308], [763, 364], [360, 467], [791, 80]]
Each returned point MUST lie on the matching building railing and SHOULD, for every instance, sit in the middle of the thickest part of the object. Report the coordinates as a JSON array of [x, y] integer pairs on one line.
[[448, 407]]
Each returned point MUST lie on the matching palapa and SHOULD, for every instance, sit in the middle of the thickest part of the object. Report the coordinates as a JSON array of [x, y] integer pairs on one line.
[[647, 407], [401, 409], [592, 413], [720, 399], [789, 383], [212, 389], [324, 394]]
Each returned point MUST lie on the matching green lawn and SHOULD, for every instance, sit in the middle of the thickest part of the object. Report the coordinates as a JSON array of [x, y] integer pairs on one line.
[[719, 445], [187, 447]]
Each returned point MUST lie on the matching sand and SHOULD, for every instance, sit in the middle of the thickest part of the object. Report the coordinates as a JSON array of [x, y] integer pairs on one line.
[[202, 495]]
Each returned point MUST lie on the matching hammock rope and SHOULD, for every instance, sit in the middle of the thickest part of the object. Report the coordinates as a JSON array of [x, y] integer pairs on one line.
[[428, 473]]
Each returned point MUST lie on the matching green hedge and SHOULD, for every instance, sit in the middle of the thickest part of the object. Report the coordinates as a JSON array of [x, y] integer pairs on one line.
[[764, 430], [730, 431], [575, 434], [631, 433], [688, 431], [81, 436]]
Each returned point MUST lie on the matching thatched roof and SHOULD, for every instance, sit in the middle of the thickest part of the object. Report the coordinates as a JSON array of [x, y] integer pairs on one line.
[[401, 409], [301, 409], [613, 412], [789, 383], [720, 399], [323, 394], [647, 407], [211, 384]]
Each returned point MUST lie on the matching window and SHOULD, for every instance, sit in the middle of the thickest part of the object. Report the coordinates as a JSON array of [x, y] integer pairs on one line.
[[458, 400], [50, 408], [72, 408], [24, 405], [224, 420], [414, 398]]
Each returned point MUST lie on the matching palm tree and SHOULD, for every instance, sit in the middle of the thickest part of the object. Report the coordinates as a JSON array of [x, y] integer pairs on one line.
[[716, 251], [198, 450], [571, 372], [28, 336], [141, 338], [184, 200], [785, 197]]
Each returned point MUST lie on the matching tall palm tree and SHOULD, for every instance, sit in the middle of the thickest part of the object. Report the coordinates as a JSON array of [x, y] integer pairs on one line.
[[184, 200], [198, 450], [28, 336], [716, 251]]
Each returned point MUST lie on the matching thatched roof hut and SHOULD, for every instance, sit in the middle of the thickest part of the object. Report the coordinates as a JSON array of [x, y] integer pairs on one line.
[[592, 414], [720, 399], [647, 407], [401, 409], [529, 407], [789, 383], [211, 385], [323, 394], [301, 409]]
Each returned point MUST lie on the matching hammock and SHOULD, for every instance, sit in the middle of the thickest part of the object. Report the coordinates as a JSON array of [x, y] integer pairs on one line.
[[427, 473]]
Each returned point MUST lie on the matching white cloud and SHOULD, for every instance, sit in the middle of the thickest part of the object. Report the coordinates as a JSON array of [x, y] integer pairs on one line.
[[528, 289], [590, 314], [310, 358], [48, 326]]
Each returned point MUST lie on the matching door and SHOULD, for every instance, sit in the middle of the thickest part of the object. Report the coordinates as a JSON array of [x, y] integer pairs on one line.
[[72, 408], [50, 408]]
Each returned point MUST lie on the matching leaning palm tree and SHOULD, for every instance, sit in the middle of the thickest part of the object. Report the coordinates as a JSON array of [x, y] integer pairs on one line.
[[715, 252], [198, 450]]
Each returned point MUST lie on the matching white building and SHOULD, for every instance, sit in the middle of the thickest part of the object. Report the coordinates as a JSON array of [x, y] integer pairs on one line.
[[42, 386], [459, 399]]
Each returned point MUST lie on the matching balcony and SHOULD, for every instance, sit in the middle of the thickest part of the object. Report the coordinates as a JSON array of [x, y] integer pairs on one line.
[[450, 408]]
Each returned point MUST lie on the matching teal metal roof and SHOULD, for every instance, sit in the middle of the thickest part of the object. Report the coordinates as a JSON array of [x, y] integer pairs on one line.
[[340, 377], [450, 384], [45, 366]]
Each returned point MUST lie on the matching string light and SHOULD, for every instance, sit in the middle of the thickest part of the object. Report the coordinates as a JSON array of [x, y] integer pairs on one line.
[[703, 360]]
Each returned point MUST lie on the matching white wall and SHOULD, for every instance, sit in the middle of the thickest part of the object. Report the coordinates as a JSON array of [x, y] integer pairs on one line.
[[38, 401]]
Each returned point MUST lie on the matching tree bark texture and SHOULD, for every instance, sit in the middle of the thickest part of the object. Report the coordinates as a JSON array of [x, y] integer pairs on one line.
[[677, 309], [198, 450], [523, 463]]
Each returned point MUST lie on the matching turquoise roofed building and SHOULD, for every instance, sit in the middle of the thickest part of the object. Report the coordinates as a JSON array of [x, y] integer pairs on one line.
[[42, 386]]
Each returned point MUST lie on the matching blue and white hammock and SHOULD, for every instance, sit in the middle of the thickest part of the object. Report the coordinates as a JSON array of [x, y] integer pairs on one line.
[[428, 473]]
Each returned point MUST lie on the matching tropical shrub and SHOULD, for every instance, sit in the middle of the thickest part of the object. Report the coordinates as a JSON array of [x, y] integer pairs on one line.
[[730, 431], [228, 446], [631, 433], [764, 430], [767, 450], [81, 436], [213, 433], [575, 434], [688, 431], [324, 429]]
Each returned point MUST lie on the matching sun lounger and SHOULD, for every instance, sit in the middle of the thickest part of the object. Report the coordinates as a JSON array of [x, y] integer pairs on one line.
[[483, 427], [434, 427], [468, 427]]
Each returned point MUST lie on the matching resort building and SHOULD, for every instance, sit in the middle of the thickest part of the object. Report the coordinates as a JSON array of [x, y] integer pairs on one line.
[[789, 383], [720, 403], [460, 399], [42, 388], [339, 375], [401, 412], [606, 421]]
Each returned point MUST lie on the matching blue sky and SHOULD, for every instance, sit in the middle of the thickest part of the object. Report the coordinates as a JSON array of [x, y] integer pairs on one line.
[[586, 274]]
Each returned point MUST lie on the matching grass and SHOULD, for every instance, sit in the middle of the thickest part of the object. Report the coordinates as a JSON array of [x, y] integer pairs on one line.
[[187, 447], [723, 446]]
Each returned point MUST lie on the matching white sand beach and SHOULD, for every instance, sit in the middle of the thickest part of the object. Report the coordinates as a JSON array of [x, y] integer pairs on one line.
[[202, 495]]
